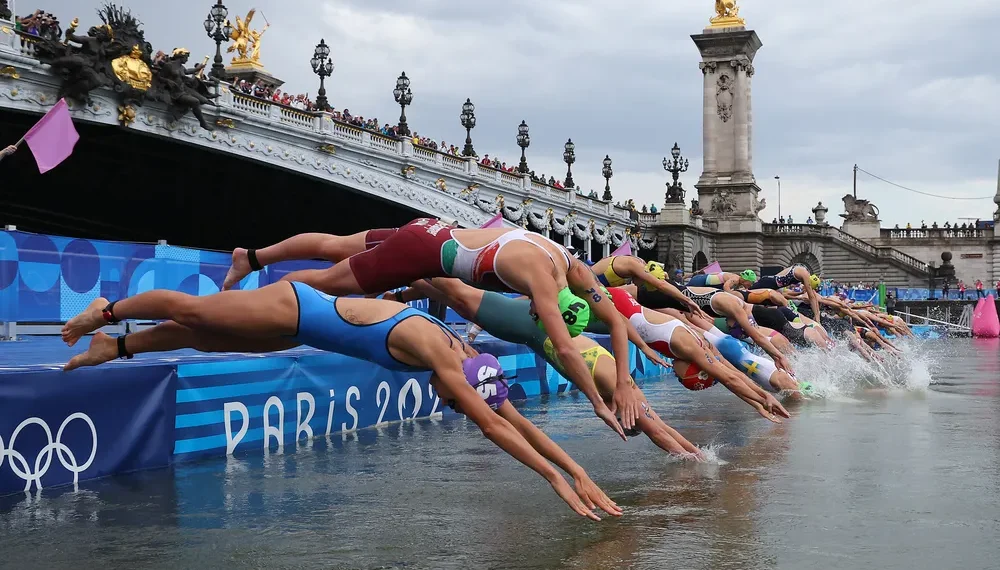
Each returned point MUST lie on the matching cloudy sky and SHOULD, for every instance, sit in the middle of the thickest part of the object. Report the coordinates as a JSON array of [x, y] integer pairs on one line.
[[904, 88]]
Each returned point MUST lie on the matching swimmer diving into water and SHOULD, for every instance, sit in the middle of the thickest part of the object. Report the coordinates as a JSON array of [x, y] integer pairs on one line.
[[618, 270], [510, 320], [286, 314], [790, 276], [499, 259]]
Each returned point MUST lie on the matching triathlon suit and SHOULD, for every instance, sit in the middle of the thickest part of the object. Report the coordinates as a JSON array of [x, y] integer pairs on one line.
[[758, 297], [611, 279], [657, 299], [777, 320], [756, 368], [716, 280], [375, 238], [321, 326], [734, 330], [778, 281], [657, 336], [509, 319], [426, 248], [704, 300]]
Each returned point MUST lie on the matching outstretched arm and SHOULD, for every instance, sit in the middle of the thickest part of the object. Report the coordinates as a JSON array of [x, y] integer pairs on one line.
[[730, 284], [750, 327], [587, 490], [668, 289]]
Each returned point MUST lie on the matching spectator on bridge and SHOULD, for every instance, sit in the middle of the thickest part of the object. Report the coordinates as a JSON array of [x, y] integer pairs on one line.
[[980, 292], [908, 226], [774, 221], [923, 225], [781, 220], [809, 220], [947, 225], [790, 219], [961, 289], [945, 288], [652, 209]]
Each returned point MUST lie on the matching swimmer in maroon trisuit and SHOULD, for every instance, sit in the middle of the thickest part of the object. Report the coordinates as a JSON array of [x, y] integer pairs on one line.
[[500, 259], [283, 315]]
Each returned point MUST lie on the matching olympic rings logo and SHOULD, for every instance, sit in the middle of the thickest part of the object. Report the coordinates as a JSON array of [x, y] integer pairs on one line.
[[20, 466]]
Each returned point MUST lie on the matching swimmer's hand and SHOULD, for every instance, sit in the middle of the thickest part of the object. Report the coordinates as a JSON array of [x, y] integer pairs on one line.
[[783, 363], [695, 310], [609, 418], [594, 497], [566, 493], [628, 405], [774, 406], [654, 357], [765, 413]]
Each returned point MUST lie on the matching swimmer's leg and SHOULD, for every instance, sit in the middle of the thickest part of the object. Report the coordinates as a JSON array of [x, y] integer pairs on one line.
[[169, 336], [302, 246], [268, 312], [336, 280]]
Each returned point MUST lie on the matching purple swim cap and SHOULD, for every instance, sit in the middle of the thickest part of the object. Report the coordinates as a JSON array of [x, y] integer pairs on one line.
[[485, 374]]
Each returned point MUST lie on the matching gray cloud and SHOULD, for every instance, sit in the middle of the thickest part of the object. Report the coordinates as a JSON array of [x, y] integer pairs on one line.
[[905, 89]]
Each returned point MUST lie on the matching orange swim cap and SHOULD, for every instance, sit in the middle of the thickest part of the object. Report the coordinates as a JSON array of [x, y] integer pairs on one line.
[[692, 377]]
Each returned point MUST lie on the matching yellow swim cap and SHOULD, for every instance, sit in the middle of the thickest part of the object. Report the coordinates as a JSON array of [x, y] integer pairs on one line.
[[814, 281], [655, 269]]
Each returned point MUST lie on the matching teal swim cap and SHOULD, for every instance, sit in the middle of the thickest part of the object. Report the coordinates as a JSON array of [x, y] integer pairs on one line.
[[575, 313]]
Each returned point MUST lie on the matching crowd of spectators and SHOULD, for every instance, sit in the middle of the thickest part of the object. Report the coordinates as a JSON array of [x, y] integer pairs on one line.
[[947, 226], [268, 93]]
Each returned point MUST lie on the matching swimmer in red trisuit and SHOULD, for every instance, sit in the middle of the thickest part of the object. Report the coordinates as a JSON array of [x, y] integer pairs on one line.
[[283, 315], [500, 259]]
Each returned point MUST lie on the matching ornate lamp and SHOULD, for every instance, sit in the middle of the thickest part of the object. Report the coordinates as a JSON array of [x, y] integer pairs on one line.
[[403, 96], [675, 165], [569, 157], [607, 173], [523, 141], [469, 122], [217, 27], [322, 66]]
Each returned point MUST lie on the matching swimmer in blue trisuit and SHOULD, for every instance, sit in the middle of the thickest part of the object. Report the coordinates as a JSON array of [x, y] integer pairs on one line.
[[726, 281], [286, 314], [790, 276], [511, 320]]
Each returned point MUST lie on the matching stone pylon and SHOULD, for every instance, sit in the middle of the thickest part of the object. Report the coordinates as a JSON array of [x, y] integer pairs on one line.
[[727, 189]]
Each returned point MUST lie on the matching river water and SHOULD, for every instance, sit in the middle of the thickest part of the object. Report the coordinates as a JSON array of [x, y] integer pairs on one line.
[[893, 468]]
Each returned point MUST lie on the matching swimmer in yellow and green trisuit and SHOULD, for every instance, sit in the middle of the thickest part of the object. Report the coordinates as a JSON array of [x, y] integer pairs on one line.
[[725, 281], [511, 320], [618, 270], [286, 314]]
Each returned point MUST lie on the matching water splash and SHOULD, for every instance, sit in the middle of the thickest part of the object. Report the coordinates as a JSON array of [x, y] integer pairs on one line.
[[840, 372]]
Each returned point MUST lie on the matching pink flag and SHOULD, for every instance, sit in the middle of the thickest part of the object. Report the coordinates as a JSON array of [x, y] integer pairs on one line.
[[494, 222], [624, 249], [53, 138], [713, 267]]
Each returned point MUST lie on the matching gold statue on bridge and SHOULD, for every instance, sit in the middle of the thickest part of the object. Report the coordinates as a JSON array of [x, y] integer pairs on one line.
[[246, 41], [727, 15]]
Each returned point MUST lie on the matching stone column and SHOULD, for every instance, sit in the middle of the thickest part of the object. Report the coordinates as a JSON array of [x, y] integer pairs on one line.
[[708, 116]]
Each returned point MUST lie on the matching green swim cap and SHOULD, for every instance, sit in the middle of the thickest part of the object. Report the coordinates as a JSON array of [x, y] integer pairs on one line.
[[575, 313], [805, 387], [750, 275]]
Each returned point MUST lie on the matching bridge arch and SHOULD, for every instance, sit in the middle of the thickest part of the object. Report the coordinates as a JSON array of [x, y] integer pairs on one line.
[[803, 253], [810, 261], [699, 263]]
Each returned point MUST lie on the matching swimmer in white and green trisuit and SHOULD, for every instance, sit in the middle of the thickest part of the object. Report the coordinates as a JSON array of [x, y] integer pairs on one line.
[[285, 314], [502, 259], [511, 320]]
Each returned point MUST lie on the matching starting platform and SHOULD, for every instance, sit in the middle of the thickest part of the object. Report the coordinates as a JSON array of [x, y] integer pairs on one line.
[[59, 428]]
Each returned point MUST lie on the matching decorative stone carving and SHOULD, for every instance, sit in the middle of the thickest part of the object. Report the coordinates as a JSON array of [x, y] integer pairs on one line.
[[759, 205], [707, 67], [724, 204], [696, 210], [820, 214], [724, 97], [856, 210], [4, 10]]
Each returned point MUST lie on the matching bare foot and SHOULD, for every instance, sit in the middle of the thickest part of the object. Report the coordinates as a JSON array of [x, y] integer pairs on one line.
[[102, 349], [86, 322], [238, 270]]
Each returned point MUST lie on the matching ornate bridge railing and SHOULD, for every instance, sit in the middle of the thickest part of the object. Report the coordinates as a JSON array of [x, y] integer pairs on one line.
[[812, 230], [935, 233]]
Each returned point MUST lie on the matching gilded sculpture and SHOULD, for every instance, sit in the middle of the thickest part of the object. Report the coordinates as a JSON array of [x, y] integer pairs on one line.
[[131, 69], [246, 41], [727, 15]]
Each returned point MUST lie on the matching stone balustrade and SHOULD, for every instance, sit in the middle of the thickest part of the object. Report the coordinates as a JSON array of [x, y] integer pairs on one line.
[[316, 145], [934, 233], [813, 230]]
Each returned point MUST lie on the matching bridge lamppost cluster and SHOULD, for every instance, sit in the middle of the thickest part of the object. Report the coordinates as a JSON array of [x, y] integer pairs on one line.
[[469, 122], [322, 66], [569, 157], [675, 165], [607, 173], [217, 27], [403, 96], [523, 141]]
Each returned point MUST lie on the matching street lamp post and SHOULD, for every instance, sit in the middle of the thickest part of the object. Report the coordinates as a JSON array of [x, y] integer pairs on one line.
[[523, 141], [322, 66], [675, 165], [403, 96], [469, 122], [217, 27], [569, 157], [778, 178], [607, 173]]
